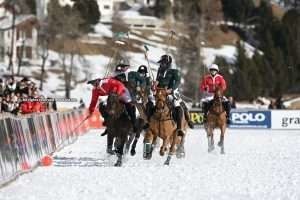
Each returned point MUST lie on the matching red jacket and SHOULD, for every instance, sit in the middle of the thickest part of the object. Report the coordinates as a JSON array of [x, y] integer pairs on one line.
[[209, 83], [36, 106], [26, 107], [105, 87]]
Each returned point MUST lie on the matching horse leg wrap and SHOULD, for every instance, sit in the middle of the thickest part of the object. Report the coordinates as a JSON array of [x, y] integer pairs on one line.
[[167, 162], [147, 150], [147, 147]]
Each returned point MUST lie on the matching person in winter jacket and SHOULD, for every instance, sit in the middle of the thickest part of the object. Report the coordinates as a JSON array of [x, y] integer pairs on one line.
[[208, 85], [103, 87]]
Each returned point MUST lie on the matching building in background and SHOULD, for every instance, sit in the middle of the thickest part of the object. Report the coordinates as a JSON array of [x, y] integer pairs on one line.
[[24, 40]]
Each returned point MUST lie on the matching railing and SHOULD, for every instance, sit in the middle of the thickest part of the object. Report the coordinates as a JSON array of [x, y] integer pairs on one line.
[[25, 140]]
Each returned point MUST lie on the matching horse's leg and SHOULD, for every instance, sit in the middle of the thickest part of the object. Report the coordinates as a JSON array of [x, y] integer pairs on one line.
[[119, 150], [221, 142], [172, 148], [180, 152], [110, 141], [147, 151], [210, 139], [129, 141], [133, 146], [164, 147]]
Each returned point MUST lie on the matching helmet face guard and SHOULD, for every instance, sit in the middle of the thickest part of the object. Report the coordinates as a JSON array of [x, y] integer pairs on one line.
[[165, 61], [121, 68], [142, 69], [213, 72]]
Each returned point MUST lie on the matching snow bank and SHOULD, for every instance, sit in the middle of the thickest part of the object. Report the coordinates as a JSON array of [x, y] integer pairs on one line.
[[102, 30]]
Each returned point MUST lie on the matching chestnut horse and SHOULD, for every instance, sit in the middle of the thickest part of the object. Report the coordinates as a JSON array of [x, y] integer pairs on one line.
[[162, 125], [216, 118]]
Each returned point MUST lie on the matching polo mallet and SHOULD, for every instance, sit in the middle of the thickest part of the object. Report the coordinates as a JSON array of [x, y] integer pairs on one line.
[[146, 56], [81, 123], [116, 50], [172, 33]]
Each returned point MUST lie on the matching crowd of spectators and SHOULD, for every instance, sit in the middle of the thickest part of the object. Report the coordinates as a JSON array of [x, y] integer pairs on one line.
[[22, 97]]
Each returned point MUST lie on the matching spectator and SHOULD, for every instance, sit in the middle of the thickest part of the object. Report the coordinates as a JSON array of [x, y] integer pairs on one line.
[[26, 106], [10, 86], [279, 103], [232, 102], [81, 104], [2, 88], [22, 86], [12, 93], [272, 105], [0, 104]]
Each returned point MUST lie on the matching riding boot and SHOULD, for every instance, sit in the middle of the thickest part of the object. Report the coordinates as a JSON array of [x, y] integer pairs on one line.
[[187, 115], [227, 108], [205, 111], [149, 113], [104, 113], [179, 115], [131, 112]]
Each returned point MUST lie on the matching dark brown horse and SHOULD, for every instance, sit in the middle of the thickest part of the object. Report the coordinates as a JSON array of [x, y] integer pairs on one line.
[[119, 126], [141, 99], [162, 125], [216, 118]]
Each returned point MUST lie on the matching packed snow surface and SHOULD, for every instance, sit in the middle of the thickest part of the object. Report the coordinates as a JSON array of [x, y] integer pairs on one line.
[[258, 164]]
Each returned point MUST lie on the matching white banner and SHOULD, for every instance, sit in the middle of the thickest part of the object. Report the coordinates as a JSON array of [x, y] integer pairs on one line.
[[285, 119]]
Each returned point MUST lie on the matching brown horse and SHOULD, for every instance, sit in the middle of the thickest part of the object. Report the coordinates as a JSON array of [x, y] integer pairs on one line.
[[140, 101], [216, 118], [162, 125], [119, 126]]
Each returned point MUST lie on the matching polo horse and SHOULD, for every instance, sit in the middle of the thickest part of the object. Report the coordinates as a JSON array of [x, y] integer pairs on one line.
[[118, 126], [216, 118], [162, 125], [140, 100]]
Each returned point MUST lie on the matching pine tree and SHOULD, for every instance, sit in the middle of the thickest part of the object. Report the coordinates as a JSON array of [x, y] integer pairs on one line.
[[162, 8], [242, 80], [89, 12], [291, 26], [31, 6], [238, 10]]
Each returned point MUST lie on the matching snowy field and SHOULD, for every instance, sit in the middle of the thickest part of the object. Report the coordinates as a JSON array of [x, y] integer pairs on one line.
[[258, 164]]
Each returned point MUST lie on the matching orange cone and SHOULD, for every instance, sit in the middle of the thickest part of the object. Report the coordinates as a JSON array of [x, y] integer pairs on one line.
[[46, 161]]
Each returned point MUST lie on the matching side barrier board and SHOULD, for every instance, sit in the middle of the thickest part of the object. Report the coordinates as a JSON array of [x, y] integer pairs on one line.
[[25, 140], [250, 119], [239, 118], [286, 119]]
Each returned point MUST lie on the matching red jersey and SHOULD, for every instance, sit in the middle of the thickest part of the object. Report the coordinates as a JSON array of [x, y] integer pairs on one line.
[[210, 83], [105, 87]]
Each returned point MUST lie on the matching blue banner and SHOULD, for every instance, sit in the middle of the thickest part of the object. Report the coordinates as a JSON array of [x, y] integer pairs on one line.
[[250, 119]]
